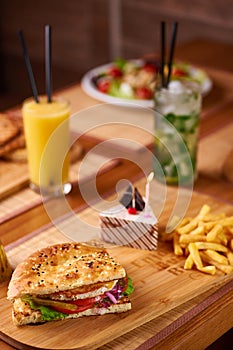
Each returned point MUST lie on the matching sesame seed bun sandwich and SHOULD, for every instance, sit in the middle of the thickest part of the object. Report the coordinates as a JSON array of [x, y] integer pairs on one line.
[[68, 280]]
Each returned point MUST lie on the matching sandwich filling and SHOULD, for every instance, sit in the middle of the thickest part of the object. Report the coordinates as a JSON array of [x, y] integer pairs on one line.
[[61, 304]]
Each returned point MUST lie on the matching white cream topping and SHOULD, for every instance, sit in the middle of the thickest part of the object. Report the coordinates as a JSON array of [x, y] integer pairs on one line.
[[120, 212]]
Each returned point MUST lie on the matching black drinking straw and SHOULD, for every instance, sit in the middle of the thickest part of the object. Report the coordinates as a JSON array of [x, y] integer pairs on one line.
[[163, 34], [28, 65], [48, 70], [172, 48]]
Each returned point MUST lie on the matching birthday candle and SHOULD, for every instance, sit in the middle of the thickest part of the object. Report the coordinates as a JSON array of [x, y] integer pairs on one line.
[[133, 202], [149, 179]]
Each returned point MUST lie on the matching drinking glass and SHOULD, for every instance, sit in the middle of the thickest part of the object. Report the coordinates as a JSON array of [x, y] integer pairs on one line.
[[177, 114], [46, 126]]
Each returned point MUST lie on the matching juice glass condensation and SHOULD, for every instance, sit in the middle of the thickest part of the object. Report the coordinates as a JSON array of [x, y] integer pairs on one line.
[[46, 127], [177, 114]]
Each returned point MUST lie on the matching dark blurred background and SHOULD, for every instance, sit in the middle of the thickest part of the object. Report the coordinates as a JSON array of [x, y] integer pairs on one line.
[[87, 33]]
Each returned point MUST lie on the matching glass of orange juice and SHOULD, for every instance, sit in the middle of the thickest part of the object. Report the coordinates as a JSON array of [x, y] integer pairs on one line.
[[46, 127]]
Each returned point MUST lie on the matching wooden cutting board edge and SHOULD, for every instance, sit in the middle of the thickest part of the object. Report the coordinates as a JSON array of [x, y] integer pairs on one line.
[[110, 335]]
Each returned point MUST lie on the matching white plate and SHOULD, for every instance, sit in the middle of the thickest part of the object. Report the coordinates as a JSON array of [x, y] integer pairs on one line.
[[89, 87]]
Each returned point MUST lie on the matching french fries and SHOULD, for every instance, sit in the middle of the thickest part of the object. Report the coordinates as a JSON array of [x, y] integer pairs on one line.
[[206, 240]]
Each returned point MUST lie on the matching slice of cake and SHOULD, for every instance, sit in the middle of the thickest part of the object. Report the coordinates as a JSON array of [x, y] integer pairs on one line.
[[131, 223]]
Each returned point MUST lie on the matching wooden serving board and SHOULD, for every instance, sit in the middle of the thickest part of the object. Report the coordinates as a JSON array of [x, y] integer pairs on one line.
[[161, 283]]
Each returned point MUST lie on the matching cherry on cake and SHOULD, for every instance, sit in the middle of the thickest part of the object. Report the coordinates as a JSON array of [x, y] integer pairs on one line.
[[131, 223]]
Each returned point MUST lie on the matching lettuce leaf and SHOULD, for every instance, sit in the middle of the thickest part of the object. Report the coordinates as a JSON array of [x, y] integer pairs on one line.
[[120, 90], [47, 313], [130, 287], [120, 63]]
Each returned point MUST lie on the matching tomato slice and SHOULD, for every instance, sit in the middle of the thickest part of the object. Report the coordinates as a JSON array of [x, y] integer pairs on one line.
[[82, 305], [65, 311], [84, 302]]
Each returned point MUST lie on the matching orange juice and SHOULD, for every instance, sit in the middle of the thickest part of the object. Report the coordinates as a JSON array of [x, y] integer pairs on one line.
[[46, 127]]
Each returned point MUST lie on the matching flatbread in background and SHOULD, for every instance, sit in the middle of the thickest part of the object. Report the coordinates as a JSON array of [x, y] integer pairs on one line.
[[13, 127], [7, 150], [8, 129], [18, 155]]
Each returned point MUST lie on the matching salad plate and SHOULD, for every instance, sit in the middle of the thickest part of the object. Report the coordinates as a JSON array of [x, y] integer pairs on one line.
[[132, 82]]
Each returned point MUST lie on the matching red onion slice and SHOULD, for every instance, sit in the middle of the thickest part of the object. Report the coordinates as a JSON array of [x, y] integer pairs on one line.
[[111, 297]]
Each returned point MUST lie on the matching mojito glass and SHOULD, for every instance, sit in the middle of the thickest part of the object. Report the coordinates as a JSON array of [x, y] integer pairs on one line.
[[177, 113]]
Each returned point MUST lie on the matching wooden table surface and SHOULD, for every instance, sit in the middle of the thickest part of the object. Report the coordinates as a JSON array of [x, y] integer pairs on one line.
[[203, 329]]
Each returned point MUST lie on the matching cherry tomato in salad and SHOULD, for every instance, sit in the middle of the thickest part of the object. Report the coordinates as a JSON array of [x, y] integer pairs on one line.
[[143, 93], [177, 72], [150, 68], [103, 86], [114, 72]]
